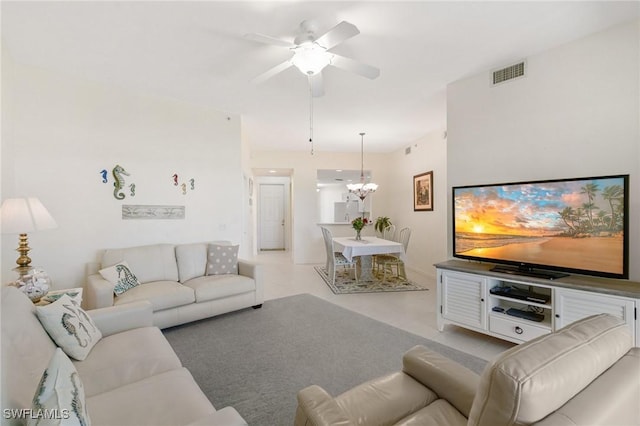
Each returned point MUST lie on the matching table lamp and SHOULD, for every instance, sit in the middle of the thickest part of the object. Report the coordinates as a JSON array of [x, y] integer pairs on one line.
[[22, 215]]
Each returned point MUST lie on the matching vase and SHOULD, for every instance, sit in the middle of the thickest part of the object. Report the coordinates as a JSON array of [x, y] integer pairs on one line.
[[358, 237]]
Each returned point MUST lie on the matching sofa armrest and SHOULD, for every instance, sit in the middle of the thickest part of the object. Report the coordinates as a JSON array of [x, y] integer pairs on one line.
[[116, 319], [448, 379], [98, 293], [253, 270], [316, 407]]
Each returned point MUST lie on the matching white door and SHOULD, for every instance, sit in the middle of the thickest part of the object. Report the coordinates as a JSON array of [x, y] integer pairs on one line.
[[271, 216]]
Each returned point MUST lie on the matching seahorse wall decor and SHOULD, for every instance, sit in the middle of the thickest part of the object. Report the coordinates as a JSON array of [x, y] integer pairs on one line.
[[118, 184], [183, 186]]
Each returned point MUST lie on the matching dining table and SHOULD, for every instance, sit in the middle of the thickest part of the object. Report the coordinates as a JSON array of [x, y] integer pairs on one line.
[[364, 249]]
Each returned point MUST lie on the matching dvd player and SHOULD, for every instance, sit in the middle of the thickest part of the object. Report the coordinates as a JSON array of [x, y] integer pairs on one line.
[[528, 315], [516, 293]]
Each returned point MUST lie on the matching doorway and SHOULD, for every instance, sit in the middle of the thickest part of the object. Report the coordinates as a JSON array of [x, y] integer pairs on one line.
[[273, 217]]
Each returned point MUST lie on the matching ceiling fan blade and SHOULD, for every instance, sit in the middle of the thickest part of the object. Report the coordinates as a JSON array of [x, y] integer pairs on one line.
[[261, 38], [337, 35], [273, 71], [355, 66], [317, 85]]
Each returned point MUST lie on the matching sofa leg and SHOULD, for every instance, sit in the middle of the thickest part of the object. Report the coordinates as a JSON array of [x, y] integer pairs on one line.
[[257, 306]]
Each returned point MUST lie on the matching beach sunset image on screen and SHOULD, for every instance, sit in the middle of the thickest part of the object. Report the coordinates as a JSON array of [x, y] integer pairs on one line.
[[577, 224]]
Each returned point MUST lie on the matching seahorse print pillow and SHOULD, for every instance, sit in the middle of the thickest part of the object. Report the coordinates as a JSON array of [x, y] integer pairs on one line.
[[60, 391], [69, 326], [121, 277]]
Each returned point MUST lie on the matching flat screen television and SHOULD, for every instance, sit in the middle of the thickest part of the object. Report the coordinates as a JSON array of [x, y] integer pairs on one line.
[[547, 228]]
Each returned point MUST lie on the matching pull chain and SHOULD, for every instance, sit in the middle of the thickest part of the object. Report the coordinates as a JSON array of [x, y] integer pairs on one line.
[[311, 114]]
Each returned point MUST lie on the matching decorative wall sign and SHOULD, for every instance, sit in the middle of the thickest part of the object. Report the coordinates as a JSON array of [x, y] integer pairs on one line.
[[152, 212], [423, 192]]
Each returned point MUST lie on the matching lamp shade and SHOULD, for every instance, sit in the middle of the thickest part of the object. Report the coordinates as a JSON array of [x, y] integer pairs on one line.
[[23, 215]]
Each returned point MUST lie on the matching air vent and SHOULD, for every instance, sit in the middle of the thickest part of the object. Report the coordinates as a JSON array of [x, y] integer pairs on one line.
[[508, 73]]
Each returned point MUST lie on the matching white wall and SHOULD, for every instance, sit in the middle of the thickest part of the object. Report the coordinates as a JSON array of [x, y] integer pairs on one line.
[[428, 243], [575, 114], [63, 131]]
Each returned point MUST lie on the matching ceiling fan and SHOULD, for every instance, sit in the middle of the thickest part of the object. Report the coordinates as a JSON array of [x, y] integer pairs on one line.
[[311, 54]]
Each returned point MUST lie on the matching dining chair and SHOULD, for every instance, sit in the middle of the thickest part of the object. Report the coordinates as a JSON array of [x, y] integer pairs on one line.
[[389, 233], [335, 258], [388, 261]]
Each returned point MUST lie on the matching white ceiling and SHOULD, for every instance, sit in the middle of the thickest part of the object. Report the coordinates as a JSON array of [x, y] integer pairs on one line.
[[196, 52]]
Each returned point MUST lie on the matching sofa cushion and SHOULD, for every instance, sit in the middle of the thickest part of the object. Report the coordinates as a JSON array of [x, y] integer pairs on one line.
[[526, 383], [22, 366], [120, 276], [218, 286], [192, 259], [125, 358], [60, 391], [385, 400], [171, 398], [222, 259], [69, 326], [161, 294], [151, 263], [439, 412]]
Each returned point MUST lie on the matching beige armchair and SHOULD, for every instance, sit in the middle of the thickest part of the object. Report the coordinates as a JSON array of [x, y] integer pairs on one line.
[[584, 374]]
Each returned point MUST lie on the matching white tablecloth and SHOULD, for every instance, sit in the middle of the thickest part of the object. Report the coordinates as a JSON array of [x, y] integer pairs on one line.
[[350, 247]]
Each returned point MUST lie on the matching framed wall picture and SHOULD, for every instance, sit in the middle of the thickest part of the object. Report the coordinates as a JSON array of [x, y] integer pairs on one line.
[[423, 192]]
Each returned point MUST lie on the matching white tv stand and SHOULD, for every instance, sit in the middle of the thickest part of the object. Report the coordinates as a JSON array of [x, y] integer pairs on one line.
[[465, 299]]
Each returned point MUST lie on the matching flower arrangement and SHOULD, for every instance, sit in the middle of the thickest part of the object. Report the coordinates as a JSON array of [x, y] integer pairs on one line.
[[359, 222]]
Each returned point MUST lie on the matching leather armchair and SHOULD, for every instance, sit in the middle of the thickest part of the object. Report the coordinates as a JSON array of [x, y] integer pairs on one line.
[[584, 374]]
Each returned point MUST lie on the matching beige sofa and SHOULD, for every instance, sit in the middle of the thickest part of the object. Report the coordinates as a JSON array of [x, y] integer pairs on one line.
[[132, 376], [584, 374], [174, 280]]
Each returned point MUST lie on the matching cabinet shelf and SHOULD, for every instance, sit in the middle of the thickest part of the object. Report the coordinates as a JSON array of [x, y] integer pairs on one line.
[[520, 301], [465, 300]]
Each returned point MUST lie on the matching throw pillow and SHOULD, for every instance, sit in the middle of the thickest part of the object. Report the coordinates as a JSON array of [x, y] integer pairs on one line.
[[59, 398], [222, 259], [121, 277], [69, 326]]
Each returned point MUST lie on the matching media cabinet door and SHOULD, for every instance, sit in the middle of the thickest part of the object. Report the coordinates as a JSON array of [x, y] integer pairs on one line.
[[463, 299], [572, 305]]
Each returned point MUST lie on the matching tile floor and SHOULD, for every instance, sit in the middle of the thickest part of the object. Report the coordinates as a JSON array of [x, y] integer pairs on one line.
[[413, 311]]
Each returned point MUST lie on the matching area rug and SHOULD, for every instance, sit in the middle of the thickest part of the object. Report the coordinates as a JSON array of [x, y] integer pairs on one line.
[[346, 284], [257, 360]]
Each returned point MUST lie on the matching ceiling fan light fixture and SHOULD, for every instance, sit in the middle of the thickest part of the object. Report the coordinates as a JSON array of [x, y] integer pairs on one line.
[[310, 58]]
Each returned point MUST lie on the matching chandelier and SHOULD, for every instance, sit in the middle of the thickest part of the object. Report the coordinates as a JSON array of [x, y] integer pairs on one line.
[[361, 190]]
